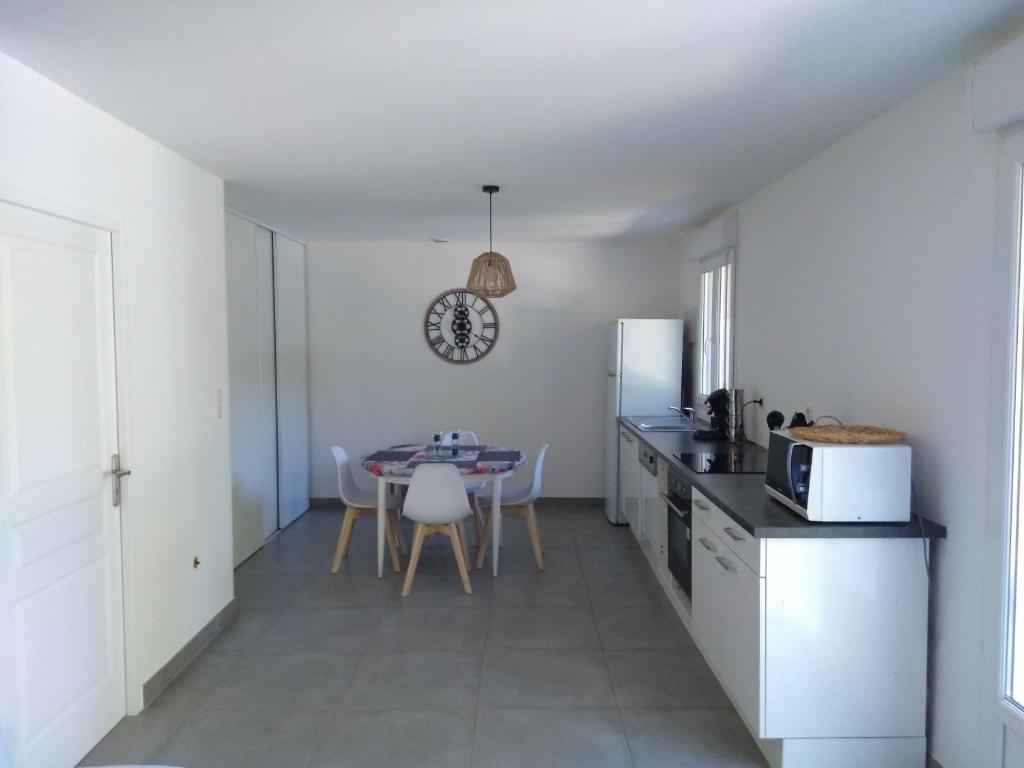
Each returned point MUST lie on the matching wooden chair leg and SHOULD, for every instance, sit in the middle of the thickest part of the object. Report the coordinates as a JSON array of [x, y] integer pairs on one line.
[[481, 551], [414, 559], [461, 525], [531, 525], [478, 518], [389, 534], [459, 547], [398, 532], [344, 538]]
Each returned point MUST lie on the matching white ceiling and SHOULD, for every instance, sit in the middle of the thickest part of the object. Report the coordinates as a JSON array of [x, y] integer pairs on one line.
[[380, 119]]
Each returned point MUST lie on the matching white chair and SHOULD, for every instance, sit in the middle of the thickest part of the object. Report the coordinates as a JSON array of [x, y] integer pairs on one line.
[[437, 503], [518, 502], [468, 437], [359, 503]]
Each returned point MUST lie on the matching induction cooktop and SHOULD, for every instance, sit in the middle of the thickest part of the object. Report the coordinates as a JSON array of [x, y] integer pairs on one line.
[[729, 461]]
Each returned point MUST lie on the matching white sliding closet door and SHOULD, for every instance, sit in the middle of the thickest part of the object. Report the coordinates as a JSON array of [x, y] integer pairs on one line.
[[253, 384], [292, 379]]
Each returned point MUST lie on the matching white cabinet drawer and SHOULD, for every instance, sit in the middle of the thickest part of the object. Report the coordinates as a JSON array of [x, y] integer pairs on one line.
[[728, 599], [743, 544]]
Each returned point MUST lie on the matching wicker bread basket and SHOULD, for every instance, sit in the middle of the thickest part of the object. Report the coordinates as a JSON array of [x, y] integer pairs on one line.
[[849, 434]]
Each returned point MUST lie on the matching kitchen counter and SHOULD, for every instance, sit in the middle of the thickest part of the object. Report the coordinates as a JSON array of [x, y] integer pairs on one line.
[[743, 497]]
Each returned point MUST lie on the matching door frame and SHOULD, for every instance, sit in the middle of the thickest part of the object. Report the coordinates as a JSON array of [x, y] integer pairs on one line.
[[51, 206]]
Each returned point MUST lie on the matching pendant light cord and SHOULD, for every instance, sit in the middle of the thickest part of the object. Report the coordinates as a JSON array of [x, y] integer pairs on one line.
[[490, 220]]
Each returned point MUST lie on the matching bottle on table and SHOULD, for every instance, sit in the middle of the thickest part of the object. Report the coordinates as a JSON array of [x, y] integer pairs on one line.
[[455, 443]]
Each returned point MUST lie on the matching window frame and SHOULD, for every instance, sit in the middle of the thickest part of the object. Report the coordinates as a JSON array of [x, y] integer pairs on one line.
[[717, 280], [1006, 423]]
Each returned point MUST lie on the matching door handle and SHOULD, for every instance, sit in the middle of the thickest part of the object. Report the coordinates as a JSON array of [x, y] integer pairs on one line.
[[670, 505], [731, 533], [707, 545], [116, 473], [724, 563], [701, 505]]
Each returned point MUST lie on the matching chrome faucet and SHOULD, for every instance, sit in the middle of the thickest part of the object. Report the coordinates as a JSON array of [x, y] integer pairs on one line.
[[686, 413]]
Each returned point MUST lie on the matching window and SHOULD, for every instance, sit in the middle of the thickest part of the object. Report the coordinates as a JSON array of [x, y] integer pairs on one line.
[[1015, 603], [717, 281]]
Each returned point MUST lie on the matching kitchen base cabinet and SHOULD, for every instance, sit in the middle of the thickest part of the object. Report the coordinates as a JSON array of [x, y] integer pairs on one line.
[[707, 602], [846, 753], [824, 654], [629, 479], [651, 507]]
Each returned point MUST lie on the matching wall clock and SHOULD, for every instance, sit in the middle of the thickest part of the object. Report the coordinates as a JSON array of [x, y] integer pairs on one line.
[[460, 326]]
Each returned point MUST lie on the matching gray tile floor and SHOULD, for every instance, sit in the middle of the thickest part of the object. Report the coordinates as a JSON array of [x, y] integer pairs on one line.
[[584, 664]]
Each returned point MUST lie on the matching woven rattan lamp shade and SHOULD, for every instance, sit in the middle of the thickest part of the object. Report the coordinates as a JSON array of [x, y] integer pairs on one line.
[[490, 275]]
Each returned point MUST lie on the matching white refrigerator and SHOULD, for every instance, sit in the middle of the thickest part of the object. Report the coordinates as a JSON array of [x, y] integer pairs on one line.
[[645, 373]]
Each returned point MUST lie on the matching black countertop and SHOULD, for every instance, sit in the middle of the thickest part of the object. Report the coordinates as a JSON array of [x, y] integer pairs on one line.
[[743, 497]]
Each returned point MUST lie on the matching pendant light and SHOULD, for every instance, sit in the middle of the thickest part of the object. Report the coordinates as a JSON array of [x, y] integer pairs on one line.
[[491, 274]]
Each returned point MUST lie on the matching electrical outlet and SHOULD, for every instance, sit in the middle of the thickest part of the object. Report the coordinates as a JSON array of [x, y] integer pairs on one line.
[[220, 403]]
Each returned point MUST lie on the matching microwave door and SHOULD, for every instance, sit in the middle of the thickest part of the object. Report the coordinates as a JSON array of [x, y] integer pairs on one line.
[[789, 471], [800, 458]]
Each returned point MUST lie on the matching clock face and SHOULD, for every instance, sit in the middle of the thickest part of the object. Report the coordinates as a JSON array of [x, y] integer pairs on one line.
[[461, 326]]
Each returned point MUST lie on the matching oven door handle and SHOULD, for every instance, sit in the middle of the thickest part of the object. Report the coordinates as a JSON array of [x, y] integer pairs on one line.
[[679, 513]]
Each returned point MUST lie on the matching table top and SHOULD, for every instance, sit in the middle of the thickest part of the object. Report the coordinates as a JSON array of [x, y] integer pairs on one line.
[[402, 460]]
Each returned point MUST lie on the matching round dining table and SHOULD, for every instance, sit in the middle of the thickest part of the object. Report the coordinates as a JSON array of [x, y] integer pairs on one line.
[[476, 464]]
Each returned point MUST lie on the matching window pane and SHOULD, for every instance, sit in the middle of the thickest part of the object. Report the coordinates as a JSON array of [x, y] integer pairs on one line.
[[1015, 623], [724, 326], [707, 332]]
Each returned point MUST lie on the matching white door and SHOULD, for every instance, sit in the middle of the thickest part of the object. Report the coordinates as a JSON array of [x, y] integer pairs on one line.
[[264, 265], [250, 265], [292, 379], [62, 683], [652, 366], [612, 492]]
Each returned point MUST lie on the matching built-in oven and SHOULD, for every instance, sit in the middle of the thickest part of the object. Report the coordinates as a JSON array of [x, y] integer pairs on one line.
[[680, 539]]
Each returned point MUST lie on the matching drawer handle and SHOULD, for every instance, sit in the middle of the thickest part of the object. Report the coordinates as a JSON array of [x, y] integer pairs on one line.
[[730, 531], [707, 545], [701, 505], [724, 563]]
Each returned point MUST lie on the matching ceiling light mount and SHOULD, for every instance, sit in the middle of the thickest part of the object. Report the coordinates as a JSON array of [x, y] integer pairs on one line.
[[490, 274]]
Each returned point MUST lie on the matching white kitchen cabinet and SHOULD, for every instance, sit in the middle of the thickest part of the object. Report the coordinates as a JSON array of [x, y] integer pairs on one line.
[[742, 635], [824, 654], [707, 605], [629, 479], [648, 505], [656, 525]]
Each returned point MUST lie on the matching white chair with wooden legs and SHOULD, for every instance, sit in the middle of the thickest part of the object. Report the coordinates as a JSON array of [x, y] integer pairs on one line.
[[468, 437], [359, 503], [437, 503], [518, 502]]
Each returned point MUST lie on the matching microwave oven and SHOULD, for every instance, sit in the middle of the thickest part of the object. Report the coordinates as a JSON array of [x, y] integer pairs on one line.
[[827, 482]]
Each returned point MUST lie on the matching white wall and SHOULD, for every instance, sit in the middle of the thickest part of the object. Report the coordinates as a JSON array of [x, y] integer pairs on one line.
[[864, 287], [374, 381], [178, 499]]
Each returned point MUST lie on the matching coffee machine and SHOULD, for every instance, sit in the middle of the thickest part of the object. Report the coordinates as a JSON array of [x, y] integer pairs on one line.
[[725, 407]]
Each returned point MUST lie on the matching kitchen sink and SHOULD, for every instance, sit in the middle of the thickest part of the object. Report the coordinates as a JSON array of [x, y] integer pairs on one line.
[[661, 423]]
